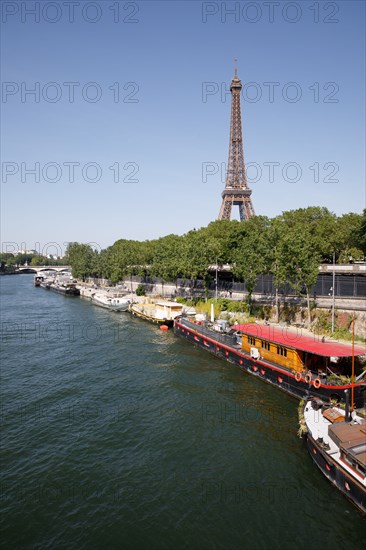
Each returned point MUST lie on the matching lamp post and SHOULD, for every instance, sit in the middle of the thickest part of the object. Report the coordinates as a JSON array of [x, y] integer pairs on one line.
[[216, 282]]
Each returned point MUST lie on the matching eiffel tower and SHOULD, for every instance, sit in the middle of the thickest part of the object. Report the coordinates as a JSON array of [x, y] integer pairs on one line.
[[236, 192]]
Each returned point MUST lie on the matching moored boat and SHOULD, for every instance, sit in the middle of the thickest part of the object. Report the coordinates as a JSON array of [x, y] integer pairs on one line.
[[114, 302], [162, 313], [336, 441], [297, 364], [67, 288], [61, 284], [47, 281], [38, 279]]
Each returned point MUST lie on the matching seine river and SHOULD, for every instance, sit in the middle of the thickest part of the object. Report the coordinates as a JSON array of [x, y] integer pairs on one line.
[[118, 435]]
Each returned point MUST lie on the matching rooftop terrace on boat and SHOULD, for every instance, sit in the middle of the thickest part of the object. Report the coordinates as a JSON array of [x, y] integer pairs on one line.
[[296, 340]]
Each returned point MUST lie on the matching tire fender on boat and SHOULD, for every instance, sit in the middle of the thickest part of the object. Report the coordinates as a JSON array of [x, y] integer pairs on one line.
[[298, 376]]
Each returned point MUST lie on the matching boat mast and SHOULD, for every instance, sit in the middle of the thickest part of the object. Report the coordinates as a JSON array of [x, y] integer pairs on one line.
[[353, 364]]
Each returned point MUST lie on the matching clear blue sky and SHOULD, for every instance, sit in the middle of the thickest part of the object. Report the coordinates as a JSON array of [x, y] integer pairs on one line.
[[172, 128]]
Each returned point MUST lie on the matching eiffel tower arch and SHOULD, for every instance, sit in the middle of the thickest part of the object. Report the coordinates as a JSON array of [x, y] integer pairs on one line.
[[236, 192]]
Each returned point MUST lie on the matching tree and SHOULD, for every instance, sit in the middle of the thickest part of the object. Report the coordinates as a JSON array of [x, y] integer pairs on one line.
[[22, 259], [7, 259], [167, 258], [81, 258], [277, 263], [299, 261], [38, 260], [252, 254], [361, 233], [349, 230]]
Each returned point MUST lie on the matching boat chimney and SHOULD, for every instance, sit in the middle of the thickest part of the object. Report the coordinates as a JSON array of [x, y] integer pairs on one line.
[[347, 415]]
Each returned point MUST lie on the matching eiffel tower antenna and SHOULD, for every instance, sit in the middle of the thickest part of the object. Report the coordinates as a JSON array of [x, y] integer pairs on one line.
[[236, 67], [236, 192]]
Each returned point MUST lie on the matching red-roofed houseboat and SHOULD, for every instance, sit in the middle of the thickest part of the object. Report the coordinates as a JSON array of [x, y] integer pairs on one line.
[[298, 364]]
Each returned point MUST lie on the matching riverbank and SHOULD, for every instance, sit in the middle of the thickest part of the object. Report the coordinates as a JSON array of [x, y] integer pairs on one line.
[[293, 312]]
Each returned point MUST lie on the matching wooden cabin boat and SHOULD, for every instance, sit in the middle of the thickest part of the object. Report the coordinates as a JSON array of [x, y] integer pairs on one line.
[[162, 313], [299, 365], [336, 441]]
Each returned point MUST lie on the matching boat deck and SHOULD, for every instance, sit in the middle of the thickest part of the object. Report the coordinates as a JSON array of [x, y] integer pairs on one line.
[[230, 340], [318, 426], [329, 427]]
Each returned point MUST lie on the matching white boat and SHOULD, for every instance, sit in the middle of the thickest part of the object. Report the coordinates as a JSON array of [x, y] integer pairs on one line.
[[38, 279], [113, 302], [162, 312], [336, 441]]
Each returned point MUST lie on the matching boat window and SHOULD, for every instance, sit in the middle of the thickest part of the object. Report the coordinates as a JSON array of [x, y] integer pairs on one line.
[[347, 459], [266, 345], [282, 351], [251, 340]]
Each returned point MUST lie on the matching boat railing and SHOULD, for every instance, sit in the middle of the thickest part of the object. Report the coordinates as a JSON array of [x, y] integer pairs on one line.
[[233, 340], [226, 339]]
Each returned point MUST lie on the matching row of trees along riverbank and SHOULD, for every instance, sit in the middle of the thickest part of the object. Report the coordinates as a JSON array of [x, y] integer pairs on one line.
[[290, 246], [9, 261]]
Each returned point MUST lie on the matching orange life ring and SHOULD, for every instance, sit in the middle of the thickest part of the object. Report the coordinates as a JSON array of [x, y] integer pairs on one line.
[[308, 378], [298, 376], [317, 383]]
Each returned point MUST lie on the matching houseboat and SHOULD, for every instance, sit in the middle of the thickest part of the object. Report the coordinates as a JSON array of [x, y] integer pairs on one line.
[[115, 302], [162, 313], [68, 288], [297, 364], [60, 284], [336, 441], [38, 279]]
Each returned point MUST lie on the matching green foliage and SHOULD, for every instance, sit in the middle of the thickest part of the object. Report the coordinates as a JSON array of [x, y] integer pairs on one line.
[[37, 260], [338, 380], [323, 323], [140, 290], [168, 258], [7, 259], [82, 259], [252, 255], [289, 246], [237, 307], [344, 334], [181, 300], [360, 236]]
